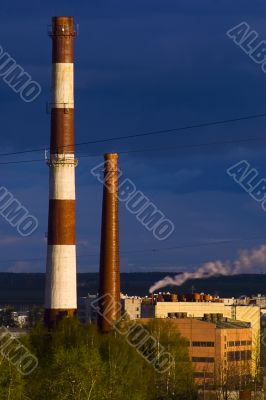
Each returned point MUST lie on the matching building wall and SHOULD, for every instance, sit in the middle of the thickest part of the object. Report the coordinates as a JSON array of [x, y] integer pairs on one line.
[[232, 342], [210, 347], [199, 332], [228, 301], [147, 310], [249, 314], [131, 306], [192, 309], [86, 313]]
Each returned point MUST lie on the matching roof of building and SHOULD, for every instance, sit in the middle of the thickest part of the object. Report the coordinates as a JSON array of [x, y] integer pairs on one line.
[[227, 323], [224, 323]]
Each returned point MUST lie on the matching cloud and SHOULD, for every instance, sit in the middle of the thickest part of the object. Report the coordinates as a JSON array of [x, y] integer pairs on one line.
[[6, 240], [22, 266]]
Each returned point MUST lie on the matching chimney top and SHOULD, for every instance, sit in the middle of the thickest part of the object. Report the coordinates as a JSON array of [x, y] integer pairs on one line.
[[109, 156], [63, 26]]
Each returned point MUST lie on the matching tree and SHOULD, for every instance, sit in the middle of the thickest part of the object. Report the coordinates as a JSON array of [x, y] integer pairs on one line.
[[177, 382], [78, 363]]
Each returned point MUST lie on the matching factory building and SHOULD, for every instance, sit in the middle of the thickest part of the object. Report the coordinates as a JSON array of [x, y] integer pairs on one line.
[[219, 348], [131, 306], [196, 306], [171, 305], [167, 305]]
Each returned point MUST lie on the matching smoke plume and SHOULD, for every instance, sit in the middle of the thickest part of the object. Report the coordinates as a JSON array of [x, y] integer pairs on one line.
[[247, 260]]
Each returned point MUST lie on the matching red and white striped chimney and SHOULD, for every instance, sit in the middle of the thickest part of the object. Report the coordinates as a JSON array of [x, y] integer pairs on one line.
[[60, 290]]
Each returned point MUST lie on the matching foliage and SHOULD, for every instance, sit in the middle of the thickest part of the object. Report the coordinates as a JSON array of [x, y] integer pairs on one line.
[[36, 315], [78, 363], [6, 318]]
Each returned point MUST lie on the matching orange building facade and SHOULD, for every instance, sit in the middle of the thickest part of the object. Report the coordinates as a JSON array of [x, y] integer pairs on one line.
[[220, 350]]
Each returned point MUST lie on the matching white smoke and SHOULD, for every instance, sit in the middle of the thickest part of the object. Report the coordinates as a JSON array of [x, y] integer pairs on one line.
[[247, 260]]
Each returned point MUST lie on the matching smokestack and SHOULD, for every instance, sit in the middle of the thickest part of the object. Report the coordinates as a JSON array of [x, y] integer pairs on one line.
[[109, 285], [60, 290]]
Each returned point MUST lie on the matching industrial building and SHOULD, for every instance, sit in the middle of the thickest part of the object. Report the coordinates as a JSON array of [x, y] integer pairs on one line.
[[197, 305], [131, 306], [220, 348], [167, 305]]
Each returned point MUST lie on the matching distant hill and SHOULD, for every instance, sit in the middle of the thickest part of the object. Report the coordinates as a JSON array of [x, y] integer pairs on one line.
[[28, 288]]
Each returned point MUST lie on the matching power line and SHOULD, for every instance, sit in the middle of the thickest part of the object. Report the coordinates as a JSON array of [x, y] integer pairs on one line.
[[193, 145], [20, 162], [157, 132], [168, 148], [154, 250]]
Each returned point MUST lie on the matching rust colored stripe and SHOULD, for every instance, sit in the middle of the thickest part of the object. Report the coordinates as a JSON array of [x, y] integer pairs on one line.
[[61, 222], [63, 33], [62, 131], [52, 316], [63, 49]]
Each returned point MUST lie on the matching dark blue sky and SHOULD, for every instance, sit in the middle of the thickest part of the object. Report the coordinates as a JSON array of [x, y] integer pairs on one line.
[[140, 66]]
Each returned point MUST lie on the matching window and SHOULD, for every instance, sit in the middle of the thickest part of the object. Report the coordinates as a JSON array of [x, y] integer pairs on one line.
[[203, 359], [233, 355], [203, 374], [239, 355], [203, 344], [239, 343], [246, 355], [246, 342]]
